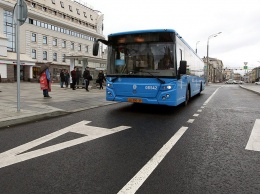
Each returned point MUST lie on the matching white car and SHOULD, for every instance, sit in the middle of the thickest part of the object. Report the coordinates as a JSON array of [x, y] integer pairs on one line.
[[257, 83], [230, 81]]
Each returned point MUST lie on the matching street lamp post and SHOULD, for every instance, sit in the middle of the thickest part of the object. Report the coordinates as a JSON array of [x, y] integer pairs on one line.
[[196, 46], [207, 71]]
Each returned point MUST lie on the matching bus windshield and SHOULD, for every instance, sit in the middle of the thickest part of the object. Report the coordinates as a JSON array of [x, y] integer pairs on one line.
[[141, 59]]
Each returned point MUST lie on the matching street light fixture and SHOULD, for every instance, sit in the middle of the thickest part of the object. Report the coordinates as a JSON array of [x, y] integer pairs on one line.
[[196, 46], [207, 70]]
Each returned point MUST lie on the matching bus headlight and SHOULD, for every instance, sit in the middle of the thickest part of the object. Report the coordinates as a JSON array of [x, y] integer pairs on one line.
[[167, 87], [109, 85]]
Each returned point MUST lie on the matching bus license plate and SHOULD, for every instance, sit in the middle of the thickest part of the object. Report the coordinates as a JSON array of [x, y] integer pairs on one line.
[[134, 100]]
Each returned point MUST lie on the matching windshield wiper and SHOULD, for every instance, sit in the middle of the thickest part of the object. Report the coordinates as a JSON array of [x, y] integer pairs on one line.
[[114, 79], [161, 81]]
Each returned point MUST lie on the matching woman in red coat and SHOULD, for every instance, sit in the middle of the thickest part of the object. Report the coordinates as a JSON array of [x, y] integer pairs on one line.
[[45, 81]]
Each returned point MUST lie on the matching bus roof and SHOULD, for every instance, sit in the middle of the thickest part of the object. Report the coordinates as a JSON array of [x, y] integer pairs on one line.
[[141, 31], [153, 30]]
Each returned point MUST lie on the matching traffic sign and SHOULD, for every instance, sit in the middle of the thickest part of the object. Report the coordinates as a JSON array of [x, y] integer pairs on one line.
[[22, 14]]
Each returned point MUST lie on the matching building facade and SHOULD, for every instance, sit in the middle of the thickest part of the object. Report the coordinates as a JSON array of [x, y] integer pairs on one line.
[[215, 69], [60, 32]]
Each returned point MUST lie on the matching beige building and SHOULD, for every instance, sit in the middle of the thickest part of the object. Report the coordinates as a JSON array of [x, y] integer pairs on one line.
[[60, 32], [215, 69], [228, 74]]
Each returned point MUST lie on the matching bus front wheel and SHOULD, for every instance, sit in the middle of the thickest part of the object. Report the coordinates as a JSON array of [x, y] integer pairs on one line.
[[187, 97]]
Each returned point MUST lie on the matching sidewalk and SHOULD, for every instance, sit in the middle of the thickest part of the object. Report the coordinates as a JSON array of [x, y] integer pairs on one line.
[[33, 106], [251, 87], [64, 101]]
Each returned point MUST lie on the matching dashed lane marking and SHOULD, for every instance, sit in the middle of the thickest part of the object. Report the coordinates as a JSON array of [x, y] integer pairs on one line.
[[190, 120], [196, 115]]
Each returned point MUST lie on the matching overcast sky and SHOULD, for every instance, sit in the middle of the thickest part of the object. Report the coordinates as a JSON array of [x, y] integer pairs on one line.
[[194, 20]]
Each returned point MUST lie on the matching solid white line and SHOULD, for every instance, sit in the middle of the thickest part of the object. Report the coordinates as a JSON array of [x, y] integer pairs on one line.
[[206, 102], [133, 185], [254, 139]]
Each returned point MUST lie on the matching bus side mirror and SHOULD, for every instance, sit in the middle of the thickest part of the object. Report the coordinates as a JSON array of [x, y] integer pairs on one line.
[[95, 48], [182, 69]]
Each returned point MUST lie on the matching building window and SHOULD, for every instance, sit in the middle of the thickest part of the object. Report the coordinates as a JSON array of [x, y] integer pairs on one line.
[[79, 48], [72, 46], [44, 55], [85, 14], [63, 44], [54, 56], [53, 1], [91, 17], [36, 72], [55, 42], [44, 9], [44, 40], [33, 53], [86, 48], [33, 5], [33, 37], [78, 12], [63, 57], [9, 30], [70, 8], [62, 4]]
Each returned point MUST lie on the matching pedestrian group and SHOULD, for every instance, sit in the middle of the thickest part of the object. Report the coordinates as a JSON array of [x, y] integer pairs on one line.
[[75, 74]]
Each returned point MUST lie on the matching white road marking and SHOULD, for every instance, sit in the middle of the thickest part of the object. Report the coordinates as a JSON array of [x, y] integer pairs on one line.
[[133, 185], [254, 139], [202, 107], [196, 115], [199, 110], [190, 120], [14, 155], [206, 102]]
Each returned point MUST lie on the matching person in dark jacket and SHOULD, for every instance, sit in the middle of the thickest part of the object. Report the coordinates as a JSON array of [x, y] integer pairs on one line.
[[67, 78], [62, 78], [86, 76], [74, 78], [78, 74], [101, 78]]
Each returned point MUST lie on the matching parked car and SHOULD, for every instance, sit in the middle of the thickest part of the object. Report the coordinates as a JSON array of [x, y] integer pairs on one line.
[[230, 81], [257, 83]]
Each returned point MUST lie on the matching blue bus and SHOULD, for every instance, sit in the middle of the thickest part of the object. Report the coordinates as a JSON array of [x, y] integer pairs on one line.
[[151, 67]]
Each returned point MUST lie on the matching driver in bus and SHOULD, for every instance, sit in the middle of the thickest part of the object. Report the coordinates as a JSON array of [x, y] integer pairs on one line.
[[166, 64]]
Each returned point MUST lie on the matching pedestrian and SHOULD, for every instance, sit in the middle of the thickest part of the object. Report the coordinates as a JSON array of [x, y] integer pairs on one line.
[[74, 78], [67, 78], [62, 78], [45, 81], [87, 77], [100, 79], [78, 76]]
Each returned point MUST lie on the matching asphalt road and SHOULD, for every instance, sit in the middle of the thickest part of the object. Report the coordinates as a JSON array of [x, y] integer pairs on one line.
[[208, 157]]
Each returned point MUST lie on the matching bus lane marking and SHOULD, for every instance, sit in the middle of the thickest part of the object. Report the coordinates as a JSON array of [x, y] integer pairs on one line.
[[16, 155], [134, 184], [254, 139]]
